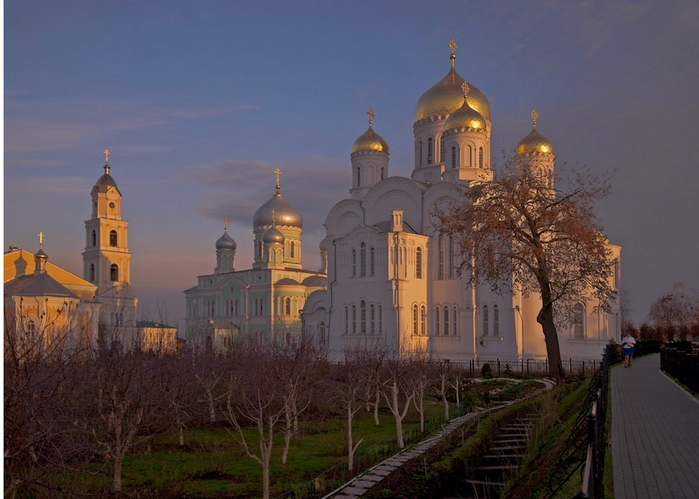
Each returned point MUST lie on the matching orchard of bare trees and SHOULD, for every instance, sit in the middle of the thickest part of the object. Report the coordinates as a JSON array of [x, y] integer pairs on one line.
[[75, 420]]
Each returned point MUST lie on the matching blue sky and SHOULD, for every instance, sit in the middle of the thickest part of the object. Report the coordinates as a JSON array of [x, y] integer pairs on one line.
[[200, 101]]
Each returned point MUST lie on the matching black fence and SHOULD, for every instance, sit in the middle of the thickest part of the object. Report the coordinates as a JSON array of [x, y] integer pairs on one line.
[[680, 361], [538, 367]]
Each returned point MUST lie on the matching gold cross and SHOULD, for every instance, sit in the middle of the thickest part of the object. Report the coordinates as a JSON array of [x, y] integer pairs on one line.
[[370, 114], [453, 46], [465, 88], [41, 240], [278, 172], [106, 156], [535, 115], [225, 224], [273, 213]]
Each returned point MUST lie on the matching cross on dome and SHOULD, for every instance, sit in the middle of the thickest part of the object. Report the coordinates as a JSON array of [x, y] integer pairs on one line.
[[465, 88], [106, 156], [273, 212], [453, 46], [278, 172], [41, 240], [370, 114], [225, 224], [535, 116]]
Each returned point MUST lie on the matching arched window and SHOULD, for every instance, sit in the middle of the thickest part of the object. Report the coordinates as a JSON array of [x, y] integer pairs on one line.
[[441, 148], [31, 327], [429, 151], [480, 157], [292, 250], [416, 324], [380, 320], [373, 320], [446, 321], [452, 257], [454, 321], [469, 160], [440, 256], [436, 321], [372, 262], [362, 259], [287, 309], [112, 238], [485, 321], [453, 157], [114, 272], [362, 316], [346, 320], [321, 333], [420, 153], [354, 262], [94, 238], [418, 264], [496, 321], [354, 319], [578, 321], [92, 272], [423, 320], [383, 172], [359, 177]]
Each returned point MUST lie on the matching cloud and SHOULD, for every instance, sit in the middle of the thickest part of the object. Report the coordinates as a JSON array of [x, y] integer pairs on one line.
[[47, 185], [51, 125], [237, 188]]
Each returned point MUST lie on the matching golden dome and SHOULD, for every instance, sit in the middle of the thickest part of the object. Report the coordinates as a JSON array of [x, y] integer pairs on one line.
[[446, 96], [370, 140], [465, 116], [534, 142]]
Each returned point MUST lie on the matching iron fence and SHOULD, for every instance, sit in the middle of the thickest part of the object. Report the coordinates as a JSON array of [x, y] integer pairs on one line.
[[682, 365]]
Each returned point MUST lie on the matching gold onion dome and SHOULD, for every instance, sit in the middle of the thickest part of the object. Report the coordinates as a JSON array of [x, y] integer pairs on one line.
[[446, 96], [285, 213], [370, 140], [534, 142], [465, 116]]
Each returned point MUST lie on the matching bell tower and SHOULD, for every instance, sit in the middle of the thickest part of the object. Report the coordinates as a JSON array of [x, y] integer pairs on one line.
[[106, 259]]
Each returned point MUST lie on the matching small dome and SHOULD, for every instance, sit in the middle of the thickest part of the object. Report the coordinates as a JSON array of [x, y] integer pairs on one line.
[[273, 236], [465, 117], [446, 97], [370, 141], [225, 242], [105, 181], [534, 142]]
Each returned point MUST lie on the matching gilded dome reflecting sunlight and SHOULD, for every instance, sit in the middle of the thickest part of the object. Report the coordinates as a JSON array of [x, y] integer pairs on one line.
[[370, 141], [534, 142]]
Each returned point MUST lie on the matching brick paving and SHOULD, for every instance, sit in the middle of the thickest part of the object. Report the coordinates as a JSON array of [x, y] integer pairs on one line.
[[655, 434]]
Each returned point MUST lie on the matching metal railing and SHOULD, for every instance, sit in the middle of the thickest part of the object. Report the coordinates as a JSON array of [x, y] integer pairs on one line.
[[682, 365]]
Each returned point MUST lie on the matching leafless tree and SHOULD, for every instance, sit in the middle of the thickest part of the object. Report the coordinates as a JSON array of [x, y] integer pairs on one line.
[[675, 315], [209, 372], [399, 392], [517, 232], [443, 375], [254, 397]]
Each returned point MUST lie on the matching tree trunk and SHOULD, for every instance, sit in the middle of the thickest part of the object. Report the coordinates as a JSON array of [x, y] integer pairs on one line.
[[546, 319], [376, 406], [287, 432], [444, 399], [116, 476]]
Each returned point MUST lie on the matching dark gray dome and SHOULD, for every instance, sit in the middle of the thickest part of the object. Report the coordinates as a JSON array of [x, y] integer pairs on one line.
[[225, 242], [106, 181], [273, 236], [284, 213]]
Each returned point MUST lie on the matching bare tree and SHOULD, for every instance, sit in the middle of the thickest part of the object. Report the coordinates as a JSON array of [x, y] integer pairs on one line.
[[517, 232], [254, 397], [399, 392], [674, 315], [209, 373], [443, 375], [422, 380]]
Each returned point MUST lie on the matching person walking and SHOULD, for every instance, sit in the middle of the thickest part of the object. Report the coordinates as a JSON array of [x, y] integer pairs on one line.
[[629, 342]]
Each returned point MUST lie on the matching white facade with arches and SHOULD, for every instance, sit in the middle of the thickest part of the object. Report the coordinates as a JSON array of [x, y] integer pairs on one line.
[[392, 278]]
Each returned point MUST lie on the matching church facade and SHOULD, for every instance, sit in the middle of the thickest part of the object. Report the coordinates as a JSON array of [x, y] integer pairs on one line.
[[262, 303], [393, 280]]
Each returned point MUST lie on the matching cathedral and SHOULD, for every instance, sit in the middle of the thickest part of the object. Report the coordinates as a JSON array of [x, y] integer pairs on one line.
[[263, 303], [393, 280]]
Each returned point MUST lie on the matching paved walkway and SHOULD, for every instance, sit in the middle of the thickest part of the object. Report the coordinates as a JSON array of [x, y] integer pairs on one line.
[[655, 434]]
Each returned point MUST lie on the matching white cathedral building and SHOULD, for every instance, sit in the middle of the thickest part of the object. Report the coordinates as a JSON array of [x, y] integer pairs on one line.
[[392, 278]]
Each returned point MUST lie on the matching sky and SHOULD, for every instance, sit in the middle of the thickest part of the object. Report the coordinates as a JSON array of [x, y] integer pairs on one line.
[[199, 102]]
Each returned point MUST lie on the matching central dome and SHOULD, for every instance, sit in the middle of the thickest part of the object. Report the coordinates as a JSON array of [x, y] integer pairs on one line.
[[284, 213], [446, 97]]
